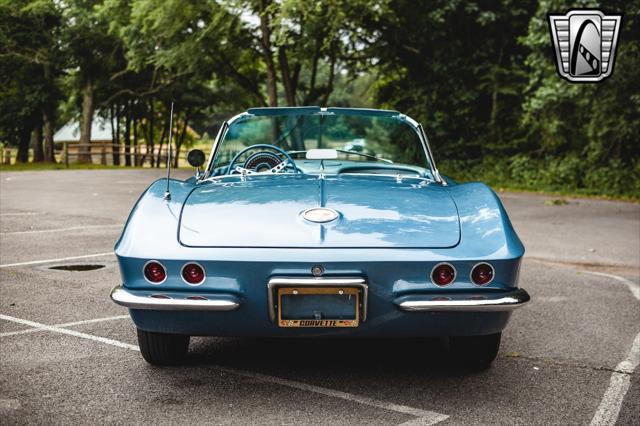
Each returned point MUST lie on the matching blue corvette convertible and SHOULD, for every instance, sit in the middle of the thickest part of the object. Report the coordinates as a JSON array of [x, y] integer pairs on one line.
[[319, 222]]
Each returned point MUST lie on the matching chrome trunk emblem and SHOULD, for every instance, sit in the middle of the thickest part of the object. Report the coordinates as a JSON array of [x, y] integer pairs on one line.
[[320, 215]]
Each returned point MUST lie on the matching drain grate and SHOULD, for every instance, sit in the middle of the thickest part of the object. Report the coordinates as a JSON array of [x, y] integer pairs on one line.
[[77, 267]]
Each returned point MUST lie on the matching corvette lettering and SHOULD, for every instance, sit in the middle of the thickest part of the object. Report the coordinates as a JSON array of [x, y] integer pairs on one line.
[[318, 323]]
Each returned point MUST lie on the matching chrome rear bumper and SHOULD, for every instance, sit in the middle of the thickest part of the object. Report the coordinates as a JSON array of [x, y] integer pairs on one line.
[[165, 302], [486, 302]]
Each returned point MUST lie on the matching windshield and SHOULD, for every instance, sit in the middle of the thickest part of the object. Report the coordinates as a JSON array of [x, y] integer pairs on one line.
[[355, 143]]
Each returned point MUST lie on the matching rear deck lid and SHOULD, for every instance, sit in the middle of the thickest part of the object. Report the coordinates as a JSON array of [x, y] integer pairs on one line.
[[267, 211]]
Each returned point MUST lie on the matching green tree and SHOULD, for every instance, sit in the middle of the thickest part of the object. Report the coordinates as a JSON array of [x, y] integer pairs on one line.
[[187, 52], [31, 66], [90, 49], [305, 45], [585, 135], [458, 67]]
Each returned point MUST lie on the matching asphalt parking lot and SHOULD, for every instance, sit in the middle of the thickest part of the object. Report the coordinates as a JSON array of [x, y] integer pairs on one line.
[[69, 355]]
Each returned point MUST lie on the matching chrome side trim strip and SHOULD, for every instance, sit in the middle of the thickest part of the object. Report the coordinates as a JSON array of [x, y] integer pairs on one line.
[[497, 303], [276, 282], [124, 297]]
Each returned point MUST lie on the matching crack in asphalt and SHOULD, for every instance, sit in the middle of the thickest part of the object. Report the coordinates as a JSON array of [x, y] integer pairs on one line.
[[588, 266], [559, 363]]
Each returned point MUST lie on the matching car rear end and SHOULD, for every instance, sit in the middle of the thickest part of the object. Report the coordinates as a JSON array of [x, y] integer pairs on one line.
[[467, 286]]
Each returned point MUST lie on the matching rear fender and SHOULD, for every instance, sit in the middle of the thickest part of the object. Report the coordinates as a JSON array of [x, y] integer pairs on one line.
[[485, 228], [151, 230]]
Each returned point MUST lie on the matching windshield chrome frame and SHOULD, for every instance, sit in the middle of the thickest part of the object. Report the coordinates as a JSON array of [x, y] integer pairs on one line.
[[427, 148], [216, 143], [417, 127]]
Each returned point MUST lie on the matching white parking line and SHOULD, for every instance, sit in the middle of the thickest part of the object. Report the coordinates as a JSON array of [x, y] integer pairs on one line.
[[21, 214], [66, 324], [423, 417], [61, 259], [611, 403], [71, 228], [69, 332], [15, 333], [91, 321], [633, 287]]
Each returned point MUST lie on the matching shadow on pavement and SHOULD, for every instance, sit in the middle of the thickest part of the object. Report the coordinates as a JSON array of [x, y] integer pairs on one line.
[[333, 355]]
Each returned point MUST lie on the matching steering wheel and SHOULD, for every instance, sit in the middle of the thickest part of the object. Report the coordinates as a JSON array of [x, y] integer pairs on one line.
[[262, 162]]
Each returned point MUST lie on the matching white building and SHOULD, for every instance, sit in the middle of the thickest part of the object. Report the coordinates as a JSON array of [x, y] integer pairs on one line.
[[101, 131]]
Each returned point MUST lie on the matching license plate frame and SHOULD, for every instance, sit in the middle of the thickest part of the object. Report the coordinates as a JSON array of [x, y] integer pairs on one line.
[[317, 323]]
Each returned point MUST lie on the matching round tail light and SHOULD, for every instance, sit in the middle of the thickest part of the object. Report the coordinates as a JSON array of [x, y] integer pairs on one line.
[[154, 272], [443, 274], [482, 274], [193, 274]]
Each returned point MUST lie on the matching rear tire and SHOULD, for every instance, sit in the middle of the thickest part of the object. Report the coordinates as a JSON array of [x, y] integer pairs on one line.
[[163, 349], [475, 351]]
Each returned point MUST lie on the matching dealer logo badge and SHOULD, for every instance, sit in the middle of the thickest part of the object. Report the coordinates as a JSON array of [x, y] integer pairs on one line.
[[585, 44]]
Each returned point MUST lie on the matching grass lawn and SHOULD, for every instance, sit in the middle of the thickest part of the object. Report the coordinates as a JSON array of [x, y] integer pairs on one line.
[[575, 193]]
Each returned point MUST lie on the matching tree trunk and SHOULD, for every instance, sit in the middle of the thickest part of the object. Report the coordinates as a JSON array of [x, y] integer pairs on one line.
[[311, 94], [48, 118], [36, 142], [496, 134], [265, 29], [494, 114], [48, 126], [127, 135], [161, 142], [23, 146], [289, 90], [150, 134], [115, 149], [179, 141], [84, 151], [136, 160], [114, 138], [329, 87]]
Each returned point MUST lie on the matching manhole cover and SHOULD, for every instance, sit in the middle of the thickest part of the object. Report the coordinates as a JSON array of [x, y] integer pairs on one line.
[[77, 267]]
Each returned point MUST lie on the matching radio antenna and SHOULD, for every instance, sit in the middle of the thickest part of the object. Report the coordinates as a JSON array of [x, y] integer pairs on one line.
[[167, 193]]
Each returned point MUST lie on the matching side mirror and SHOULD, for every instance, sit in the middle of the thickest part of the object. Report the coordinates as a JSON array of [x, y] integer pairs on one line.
[[196, 158]]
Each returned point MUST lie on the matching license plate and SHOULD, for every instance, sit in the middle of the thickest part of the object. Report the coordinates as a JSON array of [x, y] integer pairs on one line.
[[325, 307]]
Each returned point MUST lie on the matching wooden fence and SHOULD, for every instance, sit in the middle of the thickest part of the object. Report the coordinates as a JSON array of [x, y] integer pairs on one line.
[[105, 154]]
